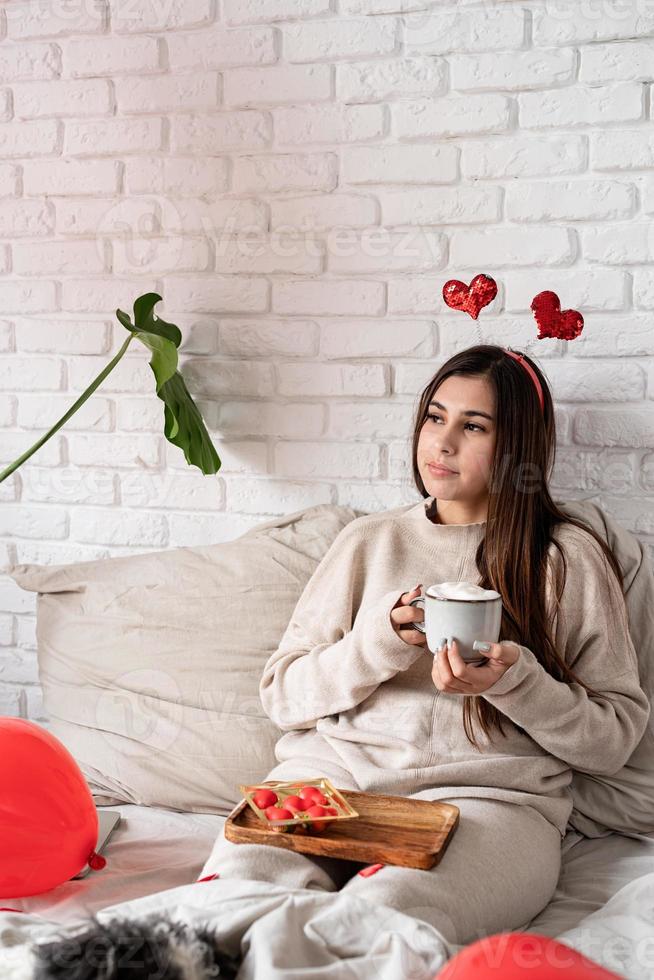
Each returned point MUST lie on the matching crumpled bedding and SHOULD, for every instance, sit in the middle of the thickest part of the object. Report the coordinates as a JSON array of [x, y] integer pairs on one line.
[[151, 849], [603, 906]]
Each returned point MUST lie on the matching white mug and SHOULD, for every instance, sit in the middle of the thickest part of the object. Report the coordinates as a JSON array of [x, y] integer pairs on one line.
[[468, 619]]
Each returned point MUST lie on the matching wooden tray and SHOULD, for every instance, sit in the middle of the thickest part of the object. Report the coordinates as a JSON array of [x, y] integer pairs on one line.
[[388, 830]]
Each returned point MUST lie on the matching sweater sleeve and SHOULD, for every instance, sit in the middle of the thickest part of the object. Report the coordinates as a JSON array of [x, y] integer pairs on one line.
[[332, 655], [592, 733]]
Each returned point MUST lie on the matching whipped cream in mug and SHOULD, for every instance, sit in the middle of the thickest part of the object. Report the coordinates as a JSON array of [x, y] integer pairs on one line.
[[461, 590], [477, 615]]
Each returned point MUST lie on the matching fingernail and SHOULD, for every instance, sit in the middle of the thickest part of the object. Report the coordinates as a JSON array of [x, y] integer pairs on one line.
[[442, 643], [478, 645]]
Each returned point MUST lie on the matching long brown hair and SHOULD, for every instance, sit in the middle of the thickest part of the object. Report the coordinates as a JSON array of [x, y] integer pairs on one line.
[[513, 557]]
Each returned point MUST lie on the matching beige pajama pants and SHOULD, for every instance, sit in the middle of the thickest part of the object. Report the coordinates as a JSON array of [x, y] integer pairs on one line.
[[498, 872]]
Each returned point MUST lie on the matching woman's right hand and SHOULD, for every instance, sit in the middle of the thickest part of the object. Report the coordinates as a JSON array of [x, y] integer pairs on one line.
[[402, 615]]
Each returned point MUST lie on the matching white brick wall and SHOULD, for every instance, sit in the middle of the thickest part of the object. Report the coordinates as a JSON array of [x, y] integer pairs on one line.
[[298, 178]]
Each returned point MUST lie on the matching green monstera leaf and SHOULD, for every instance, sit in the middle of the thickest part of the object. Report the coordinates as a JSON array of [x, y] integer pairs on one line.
[[183, 423]]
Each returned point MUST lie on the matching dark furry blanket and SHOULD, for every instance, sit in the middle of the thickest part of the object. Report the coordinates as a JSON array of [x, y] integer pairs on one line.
[[149, 949]]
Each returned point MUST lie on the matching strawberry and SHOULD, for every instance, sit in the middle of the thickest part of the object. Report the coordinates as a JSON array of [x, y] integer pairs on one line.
[[274, 813], [264, 798]]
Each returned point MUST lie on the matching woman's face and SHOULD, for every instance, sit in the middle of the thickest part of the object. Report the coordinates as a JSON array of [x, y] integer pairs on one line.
[[464, 443]]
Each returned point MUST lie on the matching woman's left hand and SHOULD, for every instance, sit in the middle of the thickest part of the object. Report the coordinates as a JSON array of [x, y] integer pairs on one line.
[[453, 675]]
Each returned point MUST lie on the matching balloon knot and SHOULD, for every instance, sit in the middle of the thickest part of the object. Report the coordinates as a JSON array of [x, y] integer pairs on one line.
[[96, 861]]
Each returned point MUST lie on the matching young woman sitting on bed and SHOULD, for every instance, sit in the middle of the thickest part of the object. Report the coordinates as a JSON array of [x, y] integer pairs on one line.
[[362, 700]]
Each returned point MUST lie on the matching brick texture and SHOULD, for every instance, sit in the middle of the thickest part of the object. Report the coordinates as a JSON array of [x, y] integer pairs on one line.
[[297, 179]]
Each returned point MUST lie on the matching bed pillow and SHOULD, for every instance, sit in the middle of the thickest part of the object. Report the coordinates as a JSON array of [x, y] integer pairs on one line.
[[150, 664], [623, 802]]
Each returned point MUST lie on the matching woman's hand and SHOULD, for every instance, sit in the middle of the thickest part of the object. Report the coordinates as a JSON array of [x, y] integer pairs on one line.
[[453, 675], [402, 614]]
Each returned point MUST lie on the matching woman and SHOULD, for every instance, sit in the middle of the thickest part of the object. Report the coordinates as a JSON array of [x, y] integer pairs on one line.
[[361, 699]]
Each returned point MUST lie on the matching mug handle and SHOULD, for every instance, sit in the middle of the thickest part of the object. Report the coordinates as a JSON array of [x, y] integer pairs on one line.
[[416, 602]]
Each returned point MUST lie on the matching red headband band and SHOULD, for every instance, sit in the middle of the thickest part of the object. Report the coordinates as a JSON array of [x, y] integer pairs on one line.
[[520, 359]]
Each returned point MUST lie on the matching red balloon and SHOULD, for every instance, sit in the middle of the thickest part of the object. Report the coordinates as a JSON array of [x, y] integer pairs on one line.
[[521, 955], [48, 820]]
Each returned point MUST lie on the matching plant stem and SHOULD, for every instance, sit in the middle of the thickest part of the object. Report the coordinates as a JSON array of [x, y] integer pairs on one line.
[[71, 411]]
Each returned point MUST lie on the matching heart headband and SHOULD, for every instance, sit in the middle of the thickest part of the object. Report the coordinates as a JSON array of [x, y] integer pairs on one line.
[[546, 307], [527, 366]]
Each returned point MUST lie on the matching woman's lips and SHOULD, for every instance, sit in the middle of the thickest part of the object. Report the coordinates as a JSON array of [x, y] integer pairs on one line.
[[437, 471]]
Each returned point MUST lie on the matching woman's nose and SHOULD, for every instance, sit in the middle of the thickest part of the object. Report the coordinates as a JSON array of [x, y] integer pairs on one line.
[[444, 437]]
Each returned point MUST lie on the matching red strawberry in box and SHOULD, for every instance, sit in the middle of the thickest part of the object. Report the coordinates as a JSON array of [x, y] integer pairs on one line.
[[298, 806]]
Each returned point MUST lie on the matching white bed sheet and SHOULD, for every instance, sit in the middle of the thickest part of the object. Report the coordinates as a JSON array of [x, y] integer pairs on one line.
[[156, 851], [592, 872], [151, 849]]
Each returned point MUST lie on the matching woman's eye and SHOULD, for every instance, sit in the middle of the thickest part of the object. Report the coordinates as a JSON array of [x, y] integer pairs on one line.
[[471, 424]]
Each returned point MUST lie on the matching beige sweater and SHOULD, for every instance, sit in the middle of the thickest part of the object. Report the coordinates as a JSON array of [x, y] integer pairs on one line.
[[346, 689]]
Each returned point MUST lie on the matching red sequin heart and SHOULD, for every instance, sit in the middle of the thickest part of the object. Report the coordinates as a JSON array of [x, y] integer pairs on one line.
[[554, 322], [473, 298]]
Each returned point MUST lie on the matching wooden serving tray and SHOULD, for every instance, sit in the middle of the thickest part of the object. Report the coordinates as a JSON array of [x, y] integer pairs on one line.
[[388, 830]]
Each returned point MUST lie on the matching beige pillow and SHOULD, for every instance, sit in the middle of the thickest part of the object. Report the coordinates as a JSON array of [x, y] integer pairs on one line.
[[150, 664], [622, 802]]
